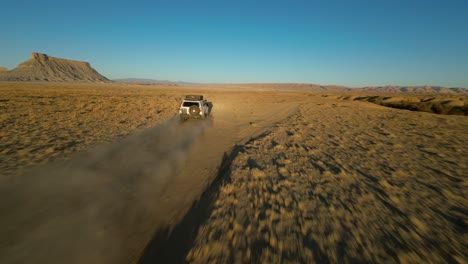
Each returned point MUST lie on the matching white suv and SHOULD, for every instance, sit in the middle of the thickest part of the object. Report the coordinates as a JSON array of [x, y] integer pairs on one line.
[[193, 106]]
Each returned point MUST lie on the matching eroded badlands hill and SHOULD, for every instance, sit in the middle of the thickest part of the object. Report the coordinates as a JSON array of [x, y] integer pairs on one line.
[[42, 67]]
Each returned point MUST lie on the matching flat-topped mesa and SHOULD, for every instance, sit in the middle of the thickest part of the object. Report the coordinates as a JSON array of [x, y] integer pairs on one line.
[[41, 67], [39, 56]]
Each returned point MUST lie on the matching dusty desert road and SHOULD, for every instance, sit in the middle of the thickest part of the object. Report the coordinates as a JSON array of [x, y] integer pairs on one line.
[[272, 177], [103, 206]]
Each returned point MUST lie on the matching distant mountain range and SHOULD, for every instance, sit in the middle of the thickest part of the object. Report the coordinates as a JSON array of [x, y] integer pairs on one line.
[[370, 89], [413, 89], [41, 67], [310, 87], [152, 81]]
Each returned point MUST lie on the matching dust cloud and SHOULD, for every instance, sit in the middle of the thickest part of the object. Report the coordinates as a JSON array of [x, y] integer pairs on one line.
[[96, 207]]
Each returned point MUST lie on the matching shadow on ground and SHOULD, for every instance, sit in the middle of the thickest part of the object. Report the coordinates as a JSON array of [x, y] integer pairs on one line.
[[171, 245]]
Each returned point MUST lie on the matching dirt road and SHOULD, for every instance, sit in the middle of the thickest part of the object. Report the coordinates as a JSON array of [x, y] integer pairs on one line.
[[104, 205]]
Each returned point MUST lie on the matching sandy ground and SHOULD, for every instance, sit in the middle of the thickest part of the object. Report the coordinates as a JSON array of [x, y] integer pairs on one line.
[[105, 174], [41, 122]]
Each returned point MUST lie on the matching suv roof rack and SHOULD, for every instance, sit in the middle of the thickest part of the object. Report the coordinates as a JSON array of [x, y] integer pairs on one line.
[[194, 97]]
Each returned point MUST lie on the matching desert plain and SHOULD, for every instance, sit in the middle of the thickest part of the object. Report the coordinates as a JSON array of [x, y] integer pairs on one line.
[[106, 173]]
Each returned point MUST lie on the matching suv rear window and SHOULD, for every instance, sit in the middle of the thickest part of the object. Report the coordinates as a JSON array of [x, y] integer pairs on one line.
[[189, 104]]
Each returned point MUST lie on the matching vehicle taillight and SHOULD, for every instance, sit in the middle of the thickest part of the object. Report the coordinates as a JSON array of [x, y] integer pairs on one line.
[[200, 110]]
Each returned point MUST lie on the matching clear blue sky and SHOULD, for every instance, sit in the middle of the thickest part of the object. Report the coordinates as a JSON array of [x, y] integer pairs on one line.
[[349, 42]]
